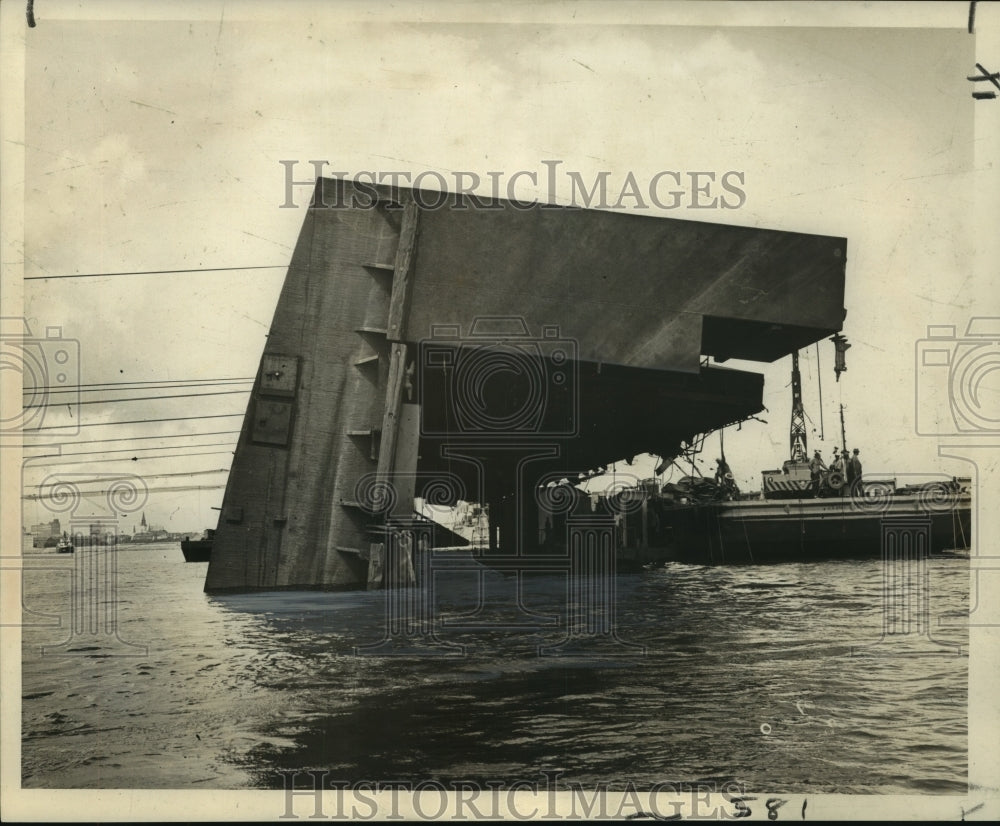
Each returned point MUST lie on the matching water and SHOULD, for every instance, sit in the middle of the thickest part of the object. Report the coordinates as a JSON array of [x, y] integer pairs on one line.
[[748, 675]]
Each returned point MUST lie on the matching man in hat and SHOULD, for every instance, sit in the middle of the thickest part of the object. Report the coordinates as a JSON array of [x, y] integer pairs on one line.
[[854, 469], [816, 468], [838, 475], [724, 478], [721, 470], [837, 464]]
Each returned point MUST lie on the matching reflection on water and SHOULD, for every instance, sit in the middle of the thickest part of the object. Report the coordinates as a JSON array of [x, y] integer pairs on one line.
[[747, 674]]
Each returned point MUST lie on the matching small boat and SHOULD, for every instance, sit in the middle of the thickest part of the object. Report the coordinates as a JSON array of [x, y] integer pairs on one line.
[[64, 546], [198, 550]]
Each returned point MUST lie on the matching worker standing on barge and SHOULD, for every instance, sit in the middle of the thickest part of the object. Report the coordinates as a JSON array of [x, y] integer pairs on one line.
[[854, 470], [816, 468], [725, 480], [837, 465]]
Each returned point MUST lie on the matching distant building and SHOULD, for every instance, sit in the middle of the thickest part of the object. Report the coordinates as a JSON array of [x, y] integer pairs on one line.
[[43, 531], [153, 535], [148, 533], [98, 534]]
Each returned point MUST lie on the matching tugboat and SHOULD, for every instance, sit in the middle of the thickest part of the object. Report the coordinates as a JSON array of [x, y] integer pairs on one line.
[[64, 545], [198, 550]]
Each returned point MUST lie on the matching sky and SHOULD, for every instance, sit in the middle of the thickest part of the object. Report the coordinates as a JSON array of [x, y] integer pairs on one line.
[[157, 145]]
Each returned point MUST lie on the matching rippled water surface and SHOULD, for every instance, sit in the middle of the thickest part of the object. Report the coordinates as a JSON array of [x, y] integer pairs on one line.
[[774, 676]]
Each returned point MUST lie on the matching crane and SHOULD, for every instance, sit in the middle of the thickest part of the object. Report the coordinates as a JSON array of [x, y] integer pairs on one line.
[[797, 430], [794, 479]]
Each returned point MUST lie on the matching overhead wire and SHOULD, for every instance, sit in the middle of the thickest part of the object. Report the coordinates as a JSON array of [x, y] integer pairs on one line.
[[153, 272], [162, 384], [134, 421], [151, 490], [140, 398], [143, 438], [137, 458], [151, 476], [39, 461], [108, 386], [129, 450]]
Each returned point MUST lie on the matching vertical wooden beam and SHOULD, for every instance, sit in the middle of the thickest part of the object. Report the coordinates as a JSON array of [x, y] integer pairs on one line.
[[399, 309], [405, 459], [402, 278], [390, 419]]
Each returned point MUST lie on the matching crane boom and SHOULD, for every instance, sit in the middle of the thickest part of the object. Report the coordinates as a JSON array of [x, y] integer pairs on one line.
[[797, 430]]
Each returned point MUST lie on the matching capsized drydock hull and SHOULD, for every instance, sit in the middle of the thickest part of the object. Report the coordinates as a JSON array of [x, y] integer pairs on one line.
[[474, 352]]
